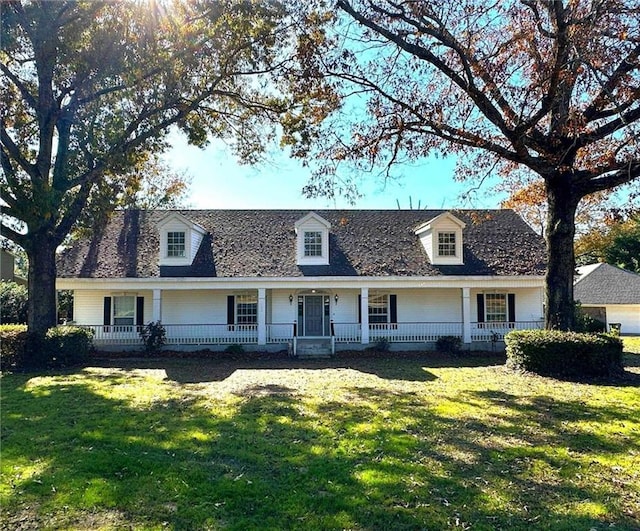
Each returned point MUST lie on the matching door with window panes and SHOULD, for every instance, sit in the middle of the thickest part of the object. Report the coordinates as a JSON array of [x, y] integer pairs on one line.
[[314, 315]]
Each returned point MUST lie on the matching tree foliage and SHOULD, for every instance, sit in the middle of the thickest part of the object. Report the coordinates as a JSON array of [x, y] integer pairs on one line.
[[89, 89], [549, 87], [616, 242]]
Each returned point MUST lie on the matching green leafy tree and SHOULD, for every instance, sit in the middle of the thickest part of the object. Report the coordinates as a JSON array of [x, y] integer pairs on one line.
[[89, 89], [624, 250], [616, 242], [548, 86]]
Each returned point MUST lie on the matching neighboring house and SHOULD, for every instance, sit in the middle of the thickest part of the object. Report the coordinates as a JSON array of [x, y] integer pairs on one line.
[[309, 280], [7, 268], [610, 294]]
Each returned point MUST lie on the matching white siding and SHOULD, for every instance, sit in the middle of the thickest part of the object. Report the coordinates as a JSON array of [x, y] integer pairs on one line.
[[628, 315], [196, 240], [195, 307], [437, 305], [88, 305], [281, 310], [528, 303]]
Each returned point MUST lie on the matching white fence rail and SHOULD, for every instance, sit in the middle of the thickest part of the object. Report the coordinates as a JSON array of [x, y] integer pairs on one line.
[[224, 334], [497, 331], [279, 332], [413, 332]]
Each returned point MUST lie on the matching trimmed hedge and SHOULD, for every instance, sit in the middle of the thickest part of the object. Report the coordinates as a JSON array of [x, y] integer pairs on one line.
[[69, 345], [61, 347], [13, 339], [556, 353]]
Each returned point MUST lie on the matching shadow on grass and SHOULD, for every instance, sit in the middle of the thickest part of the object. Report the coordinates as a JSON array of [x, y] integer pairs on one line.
[[374, 460], [216, 367]]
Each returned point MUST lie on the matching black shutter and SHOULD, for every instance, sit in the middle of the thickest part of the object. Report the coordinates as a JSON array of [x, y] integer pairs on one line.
[[359, 308], [231, 309], [511, 307], [393, 308], [140, 311], [106, 315], [480, 299]]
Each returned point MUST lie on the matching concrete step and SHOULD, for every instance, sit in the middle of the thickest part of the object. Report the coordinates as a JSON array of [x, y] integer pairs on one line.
[[313, 348]]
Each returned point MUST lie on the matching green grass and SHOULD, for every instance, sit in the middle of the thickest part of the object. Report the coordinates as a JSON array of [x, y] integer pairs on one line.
[[413, 442], [631, 344]]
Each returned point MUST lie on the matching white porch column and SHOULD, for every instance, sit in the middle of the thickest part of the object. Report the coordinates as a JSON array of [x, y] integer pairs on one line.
[[466, 315], [262, 316], [364, 316], [156, 313]]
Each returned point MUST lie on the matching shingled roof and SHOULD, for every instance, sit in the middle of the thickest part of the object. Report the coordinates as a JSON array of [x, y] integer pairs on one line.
[[261, 243], [606, 284]]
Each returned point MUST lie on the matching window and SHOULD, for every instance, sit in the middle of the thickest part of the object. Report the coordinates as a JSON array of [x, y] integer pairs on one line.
[[378, 308], [495, 307], [176, 244], [124, 310], [313, 243], [246, 309], [446, 244]]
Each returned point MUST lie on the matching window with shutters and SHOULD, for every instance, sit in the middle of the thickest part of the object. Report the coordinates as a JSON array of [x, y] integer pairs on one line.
[[495, 307], [378, 308], [124, 310], [246, 309]]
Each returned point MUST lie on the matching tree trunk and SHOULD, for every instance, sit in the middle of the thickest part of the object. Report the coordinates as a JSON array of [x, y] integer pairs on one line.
[[42, 285], [560, 232]]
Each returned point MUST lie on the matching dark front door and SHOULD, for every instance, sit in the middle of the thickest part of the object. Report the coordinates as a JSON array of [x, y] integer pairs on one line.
[[313, 315]]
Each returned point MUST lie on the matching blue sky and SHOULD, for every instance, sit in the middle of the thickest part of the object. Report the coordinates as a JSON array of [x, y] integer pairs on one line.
[[218, 181]]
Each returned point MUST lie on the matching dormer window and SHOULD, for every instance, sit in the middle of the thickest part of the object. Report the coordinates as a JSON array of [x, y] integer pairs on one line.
[[176, 244], [312, 240], [312, 243], [180, 239], [446, 243], [441, 238]]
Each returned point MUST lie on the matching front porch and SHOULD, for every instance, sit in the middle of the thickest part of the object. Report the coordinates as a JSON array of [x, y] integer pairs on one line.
[[346, 317], [283, 335]]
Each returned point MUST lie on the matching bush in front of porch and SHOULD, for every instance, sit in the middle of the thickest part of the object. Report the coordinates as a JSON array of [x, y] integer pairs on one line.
[[558, 353]]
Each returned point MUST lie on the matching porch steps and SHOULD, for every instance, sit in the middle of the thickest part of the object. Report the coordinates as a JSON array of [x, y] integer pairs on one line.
[[313, 348]]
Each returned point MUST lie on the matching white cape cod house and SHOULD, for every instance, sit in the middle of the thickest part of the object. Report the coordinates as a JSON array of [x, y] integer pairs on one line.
[[330, 279]]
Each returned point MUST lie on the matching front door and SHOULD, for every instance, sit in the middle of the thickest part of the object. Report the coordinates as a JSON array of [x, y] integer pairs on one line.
[[313, 315]]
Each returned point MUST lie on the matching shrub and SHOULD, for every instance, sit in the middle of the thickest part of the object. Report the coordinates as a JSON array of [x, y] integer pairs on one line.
[[587, 324], [14, 300], [68, 345], [555, 353], [154, 336], [13, 340], [234, 349], [449, 344], [61, 347]]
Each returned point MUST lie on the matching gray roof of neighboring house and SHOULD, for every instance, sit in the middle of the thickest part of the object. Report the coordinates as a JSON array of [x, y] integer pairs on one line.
[[606, 284], [262, 243]]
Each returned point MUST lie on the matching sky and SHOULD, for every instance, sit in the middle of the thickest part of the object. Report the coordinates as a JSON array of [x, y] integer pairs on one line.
[[218, 181]]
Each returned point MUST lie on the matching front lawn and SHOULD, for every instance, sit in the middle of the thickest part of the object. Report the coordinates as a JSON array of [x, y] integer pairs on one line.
[[410, 442], [631, 344]]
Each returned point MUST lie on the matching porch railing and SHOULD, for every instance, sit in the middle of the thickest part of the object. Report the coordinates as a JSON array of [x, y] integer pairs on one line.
[[497, 331], [278, 333], [413, 332]]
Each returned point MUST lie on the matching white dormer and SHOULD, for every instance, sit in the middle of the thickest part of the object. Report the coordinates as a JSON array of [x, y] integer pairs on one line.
[[180, 240], [441, 238], [312, 241]]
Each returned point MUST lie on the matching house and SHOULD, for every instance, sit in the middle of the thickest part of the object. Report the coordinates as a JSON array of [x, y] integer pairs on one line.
[[611, 295], [313, 281], [7, 268]]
